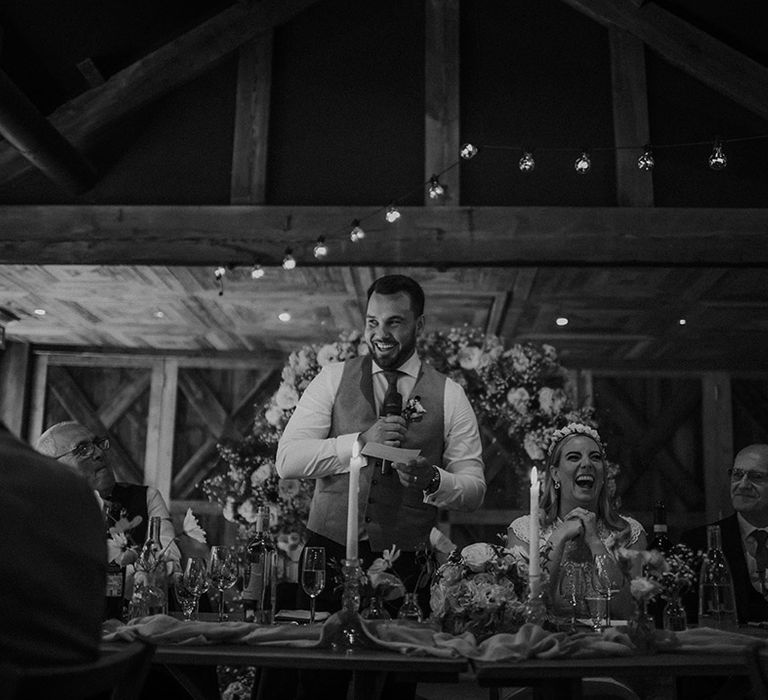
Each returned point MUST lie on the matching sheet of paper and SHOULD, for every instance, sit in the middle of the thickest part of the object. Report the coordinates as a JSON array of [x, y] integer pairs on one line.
[[391, 454]]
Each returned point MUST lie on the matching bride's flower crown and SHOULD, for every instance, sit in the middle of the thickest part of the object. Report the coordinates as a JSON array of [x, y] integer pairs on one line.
[[574, 429]]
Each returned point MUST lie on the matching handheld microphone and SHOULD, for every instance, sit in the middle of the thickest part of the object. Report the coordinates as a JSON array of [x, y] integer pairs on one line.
[[392, 404]]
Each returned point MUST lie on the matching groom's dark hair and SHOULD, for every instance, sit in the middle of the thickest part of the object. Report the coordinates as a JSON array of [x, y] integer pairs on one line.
[[394, 284]]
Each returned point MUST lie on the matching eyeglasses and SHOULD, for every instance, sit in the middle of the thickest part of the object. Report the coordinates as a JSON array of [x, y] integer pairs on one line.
[[84, 450], [752, 476]]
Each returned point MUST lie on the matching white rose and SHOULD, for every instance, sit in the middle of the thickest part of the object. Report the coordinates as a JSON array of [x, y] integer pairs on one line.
[[229, 509], [286, 397], [287, 488], [469, 357], [559, 399], [477, 555], [326, 355], [274, 416], [641, 587], [549, 352], [518, 399], [248, 511], [261, 474], [302, 361], [546, 395], [520, 361], [532, 447]]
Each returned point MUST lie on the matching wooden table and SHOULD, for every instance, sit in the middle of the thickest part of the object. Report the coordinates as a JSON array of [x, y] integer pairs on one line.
[[369, 667], [562, 678]]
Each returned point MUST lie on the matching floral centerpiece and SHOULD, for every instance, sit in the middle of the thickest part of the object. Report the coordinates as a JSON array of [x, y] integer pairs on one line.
[[479, 589], [519, 394]]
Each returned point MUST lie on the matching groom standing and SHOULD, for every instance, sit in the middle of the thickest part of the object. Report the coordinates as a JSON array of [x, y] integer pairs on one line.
[[361, 401]]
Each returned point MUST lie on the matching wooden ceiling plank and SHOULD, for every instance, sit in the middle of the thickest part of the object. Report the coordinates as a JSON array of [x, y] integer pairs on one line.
[[521, 291], [697, 53], [441, 98], [460, 236], [249, 147], [83, 119], [77, 405], [634, 187], [496, 313]]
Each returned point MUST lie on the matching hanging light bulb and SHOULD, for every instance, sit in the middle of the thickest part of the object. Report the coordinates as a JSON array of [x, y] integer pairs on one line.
[[289, 262], [392, 214], [527, 163], [583, 164], [356, 233], [646, 162], [436, 190], [219, 273], [257, 272], [468, 151], [717, 159], [321, 249]]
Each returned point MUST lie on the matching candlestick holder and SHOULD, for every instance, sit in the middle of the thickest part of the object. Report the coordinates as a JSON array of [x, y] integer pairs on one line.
[[350, 635], [535, 610]]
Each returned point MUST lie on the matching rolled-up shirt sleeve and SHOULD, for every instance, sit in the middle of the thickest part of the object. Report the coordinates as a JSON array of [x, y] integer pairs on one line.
[[305, 450], [462, 477]]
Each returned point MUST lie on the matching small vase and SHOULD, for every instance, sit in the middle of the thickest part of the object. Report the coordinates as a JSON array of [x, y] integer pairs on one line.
[[375, 610], [674, 615], [410, 609], [641, 629]]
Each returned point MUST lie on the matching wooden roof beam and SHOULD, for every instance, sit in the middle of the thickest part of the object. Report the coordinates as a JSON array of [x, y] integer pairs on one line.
[[697, 53], [32, 136], [439, 236], [83, 119]]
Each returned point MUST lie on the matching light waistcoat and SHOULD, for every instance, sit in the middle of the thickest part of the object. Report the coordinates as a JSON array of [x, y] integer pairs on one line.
[[390, 513]]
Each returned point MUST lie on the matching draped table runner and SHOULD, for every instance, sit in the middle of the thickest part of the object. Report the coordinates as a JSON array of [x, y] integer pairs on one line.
[[529, 642]]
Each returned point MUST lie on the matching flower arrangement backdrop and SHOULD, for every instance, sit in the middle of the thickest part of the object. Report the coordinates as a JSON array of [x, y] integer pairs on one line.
[[520, 394]]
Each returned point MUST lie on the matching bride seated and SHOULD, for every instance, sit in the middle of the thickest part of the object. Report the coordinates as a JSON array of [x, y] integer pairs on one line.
[[579, 527]]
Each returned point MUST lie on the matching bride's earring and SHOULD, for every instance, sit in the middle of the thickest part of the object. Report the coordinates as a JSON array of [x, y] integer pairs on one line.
[[557, 486]]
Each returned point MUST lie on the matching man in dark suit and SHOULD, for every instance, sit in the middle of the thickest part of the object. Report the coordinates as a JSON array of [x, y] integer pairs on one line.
[[52, 560], [743, 543]]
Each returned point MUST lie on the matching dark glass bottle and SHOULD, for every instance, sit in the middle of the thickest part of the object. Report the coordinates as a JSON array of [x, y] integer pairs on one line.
[[114, 592], [260, 553], [660, 540]]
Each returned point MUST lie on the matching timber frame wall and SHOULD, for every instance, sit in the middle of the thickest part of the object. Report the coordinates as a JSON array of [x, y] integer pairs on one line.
[[27, 375]]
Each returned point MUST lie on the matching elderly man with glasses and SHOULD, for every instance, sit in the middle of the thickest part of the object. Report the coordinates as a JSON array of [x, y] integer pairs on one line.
[[77, 447], [744, 534]]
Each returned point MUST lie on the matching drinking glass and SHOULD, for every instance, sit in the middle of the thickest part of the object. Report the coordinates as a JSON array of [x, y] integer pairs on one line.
[[598, 611], [222, 573], [191, 585], [572, 587], [313, 575], [606, 580]]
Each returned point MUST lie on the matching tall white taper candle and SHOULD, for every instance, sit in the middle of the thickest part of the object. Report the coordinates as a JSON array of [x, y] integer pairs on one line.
[[355, 465], [534, 565]]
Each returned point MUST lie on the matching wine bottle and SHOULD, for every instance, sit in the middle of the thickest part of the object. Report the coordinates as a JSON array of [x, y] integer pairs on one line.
[[660, 540], [260, 552], [114, 593], [151, 572], [717, 602]]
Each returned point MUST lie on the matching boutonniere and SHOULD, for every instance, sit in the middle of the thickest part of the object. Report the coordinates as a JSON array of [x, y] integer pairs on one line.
[[414, 411]]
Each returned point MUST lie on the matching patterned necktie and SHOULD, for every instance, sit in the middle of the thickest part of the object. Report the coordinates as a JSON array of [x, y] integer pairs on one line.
[[761, 555], [392, 405]]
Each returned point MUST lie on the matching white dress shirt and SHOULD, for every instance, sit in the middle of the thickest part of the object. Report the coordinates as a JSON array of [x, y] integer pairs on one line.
[[306, 451]]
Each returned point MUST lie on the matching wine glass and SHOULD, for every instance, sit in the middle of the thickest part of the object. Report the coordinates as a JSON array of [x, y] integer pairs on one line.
[[190, 585], [607, 580], [313, 575], [572, 586], [223, 573]]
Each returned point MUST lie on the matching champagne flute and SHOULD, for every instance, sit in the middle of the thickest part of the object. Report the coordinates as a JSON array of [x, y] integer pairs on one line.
[[191, 585], [313, 575], [223, 573], [607, 580]]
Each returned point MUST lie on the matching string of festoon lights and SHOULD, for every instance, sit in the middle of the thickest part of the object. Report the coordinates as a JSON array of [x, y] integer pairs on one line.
[[582, 165]]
